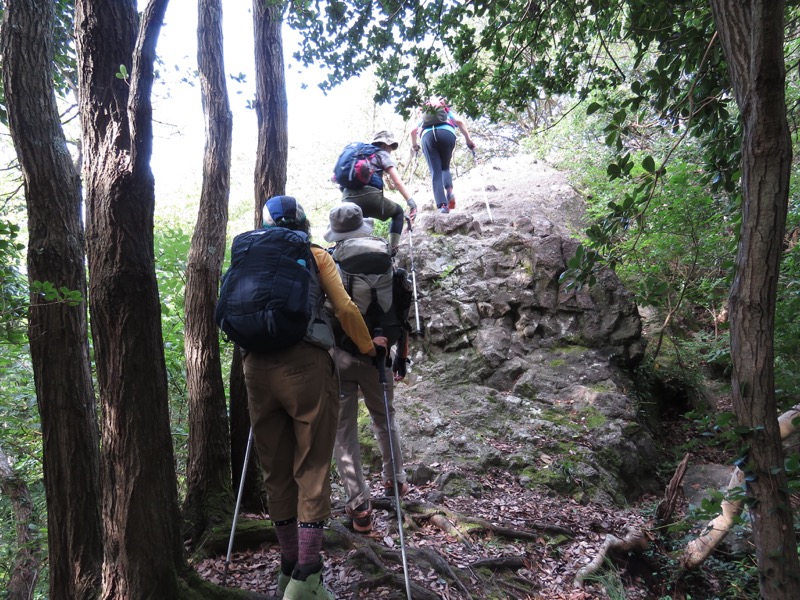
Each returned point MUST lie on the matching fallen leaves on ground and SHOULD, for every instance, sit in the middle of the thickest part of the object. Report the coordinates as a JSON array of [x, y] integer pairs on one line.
[[549, 566]]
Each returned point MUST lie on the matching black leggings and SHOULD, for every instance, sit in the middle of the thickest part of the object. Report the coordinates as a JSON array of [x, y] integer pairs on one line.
[[438, 145], [375, 205]]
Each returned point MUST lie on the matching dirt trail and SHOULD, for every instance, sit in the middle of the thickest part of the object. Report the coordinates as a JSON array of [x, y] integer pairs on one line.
[[500, 190]]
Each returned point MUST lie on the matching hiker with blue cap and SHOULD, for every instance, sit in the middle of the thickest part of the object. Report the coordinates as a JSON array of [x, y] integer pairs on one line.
[[292, 399]]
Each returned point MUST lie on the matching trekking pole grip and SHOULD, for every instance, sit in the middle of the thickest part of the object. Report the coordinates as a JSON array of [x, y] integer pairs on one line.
[[381, 358]]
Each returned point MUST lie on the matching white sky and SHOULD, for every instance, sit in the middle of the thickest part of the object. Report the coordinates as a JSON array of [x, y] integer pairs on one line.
[[319, 125]]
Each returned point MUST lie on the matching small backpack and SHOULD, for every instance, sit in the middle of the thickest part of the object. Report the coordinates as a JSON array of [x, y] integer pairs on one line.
[[264, 299], [381, 292], [357, 167], [435, 114]]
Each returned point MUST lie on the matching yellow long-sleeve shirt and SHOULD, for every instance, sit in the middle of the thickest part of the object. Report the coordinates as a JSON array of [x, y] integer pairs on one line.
[[344, 308]]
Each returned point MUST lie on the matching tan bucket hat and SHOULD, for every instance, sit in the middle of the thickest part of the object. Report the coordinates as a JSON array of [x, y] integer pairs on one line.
[[385, 137], [347, 221]]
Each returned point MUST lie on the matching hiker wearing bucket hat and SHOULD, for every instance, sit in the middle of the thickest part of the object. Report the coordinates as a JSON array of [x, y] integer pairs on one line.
[[371, 197], [357, 371], [347, 221], [292, 400], [436, 130]]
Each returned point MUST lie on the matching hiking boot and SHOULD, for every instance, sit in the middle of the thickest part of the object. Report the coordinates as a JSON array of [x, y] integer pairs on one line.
[[362, 517], [283, 581], [443, 209], [310, 588], [285, 575], [388, 488]]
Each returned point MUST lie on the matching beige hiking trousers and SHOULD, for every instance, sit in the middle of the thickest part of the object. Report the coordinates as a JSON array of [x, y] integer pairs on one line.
[[359, 373]]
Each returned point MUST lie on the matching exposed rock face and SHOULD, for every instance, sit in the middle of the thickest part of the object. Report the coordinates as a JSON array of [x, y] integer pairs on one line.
[[501, 295], [510, 360]]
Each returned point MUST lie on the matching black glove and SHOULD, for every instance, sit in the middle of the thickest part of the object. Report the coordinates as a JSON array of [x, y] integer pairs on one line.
[[399, 366]]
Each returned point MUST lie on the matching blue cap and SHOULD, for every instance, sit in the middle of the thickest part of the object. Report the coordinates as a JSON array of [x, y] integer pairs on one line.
[[282, 211]]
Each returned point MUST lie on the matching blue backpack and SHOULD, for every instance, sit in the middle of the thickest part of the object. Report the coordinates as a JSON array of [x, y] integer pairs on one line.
[[357, 166], [264, 301]]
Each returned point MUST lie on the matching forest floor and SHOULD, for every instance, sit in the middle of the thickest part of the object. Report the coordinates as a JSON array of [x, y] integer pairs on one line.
[[507, 540], [540, 543]]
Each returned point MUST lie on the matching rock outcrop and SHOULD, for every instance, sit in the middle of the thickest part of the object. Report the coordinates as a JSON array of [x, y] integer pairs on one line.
[[510, 368]]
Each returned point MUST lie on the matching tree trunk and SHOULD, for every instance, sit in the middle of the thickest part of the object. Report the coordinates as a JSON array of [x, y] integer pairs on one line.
[[57, 329], [24, 570], [271, 105], [751, 33], [143, 549], [209, 498]]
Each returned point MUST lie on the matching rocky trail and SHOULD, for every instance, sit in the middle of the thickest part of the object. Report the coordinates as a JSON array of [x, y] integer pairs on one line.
[[520, 426]]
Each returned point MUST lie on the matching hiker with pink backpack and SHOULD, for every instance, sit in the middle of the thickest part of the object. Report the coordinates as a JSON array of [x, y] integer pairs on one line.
[[359, 172], [436, 131]]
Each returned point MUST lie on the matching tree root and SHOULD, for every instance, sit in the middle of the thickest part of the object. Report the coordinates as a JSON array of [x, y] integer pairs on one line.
[[421, 511], [701, 547], [369, 552], [501, 562], [460, 527], [634, 541], [441, 566], [380, 564], [448, 528]]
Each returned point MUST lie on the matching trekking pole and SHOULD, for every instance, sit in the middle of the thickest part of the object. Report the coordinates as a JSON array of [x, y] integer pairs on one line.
[[382, 378], [412, 162], [413, 277], [483, 188], [238, 503]]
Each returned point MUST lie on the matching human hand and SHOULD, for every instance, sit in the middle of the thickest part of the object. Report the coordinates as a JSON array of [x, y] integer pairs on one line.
[[380, 350], [399, 367], [415, 148], [381, 344], [412, 208]]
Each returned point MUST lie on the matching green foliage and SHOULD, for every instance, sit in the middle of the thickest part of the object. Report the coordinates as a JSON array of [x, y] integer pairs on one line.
[[787, 329], [610, 579], [172, 251], [381, 228], [48, 292], [13, 287], [672, 248], [122, 73], [20, 435]]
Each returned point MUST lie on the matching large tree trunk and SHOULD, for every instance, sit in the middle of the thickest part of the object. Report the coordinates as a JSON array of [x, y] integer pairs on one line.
[[271, 105], [209, 498], [143, 549], [57, 329], [752, 38]]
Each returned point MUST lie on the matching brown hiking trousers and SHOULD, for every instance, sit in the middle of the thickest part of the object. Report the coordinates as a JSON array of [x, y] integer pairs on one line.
[[294, 411]]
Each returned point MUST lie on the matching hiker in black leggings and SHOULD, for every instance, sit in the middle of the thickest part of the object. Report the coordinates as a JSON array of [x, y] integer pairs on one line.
[[438, 142]]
